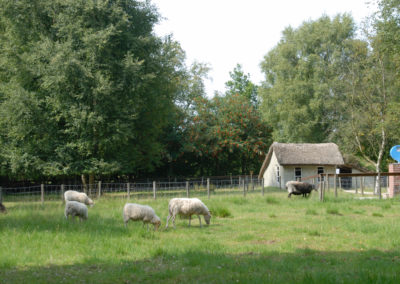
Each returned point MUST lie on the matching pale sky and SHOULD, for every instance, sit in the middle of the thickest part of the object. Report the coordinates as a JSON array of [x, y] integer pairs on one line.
[[223, 33]]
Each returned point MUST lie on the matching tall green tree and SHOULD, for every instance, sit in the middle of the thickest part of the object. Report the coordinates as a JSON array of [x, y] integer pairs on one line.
[[240, 84], [372, 95], [303, 86], [86, 86]]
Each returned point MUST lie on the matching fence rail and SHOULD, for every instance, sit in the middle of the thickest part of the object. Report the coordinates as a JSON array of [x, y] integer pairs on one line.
[[358, 183], [201, 187]]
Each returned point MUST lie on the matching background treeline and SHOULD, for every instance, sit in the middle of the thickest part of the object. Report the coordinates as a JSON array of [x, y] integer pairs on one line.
[[87, 90]]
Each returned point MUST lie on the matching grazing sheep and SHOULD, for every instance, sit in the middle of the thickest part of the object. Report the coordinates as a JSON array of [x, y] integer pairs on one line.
[[188, 207], [299, 188], [2, 208], [75, 208], [137, 212], [72, 195]]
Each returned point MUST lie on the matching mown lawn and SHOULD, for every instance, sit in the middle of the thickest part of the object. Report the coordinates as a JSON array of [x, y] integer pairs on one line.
[[270, 239]]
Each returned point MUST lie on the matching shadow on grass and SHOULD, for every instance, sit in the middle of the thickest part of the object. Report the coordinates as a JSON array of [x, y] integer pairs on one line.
[[303, 266]]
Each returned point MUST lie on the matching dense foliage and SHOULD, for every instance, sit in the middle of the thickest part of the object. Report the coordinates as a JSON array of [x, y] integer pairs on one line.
[[85, 86]]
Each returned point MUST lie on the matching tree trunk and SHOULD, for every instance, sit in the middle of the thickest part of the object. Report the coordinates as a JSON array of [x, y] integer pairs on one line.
[[83, 178], [91, 183]]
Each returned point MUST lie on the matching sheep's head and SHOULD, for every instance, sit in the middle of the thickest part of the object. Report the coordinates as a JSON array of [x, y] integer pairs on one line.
[[207, 218], [90, 202], [157, 223]]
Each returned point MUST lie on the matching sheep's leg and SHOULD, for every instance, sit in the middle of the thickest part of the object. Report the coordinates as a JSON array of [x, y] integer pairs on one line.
[[199, 220], [168, 218], [289, 195], [190, 219], [173, 220]]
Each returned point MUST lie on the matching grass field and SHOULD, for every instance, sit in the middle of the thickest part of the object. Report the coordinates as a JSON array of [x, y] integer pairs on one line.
[[270, 239]]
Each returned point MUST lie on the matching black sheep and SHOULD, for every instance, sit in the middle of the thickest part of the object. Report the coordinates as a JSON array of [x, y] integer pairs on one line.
[[299, 188]]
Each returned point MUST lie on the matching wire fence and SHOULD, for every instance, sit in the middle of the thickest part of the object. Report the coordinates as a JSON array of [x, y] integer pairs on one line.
[[209, 187], [136, 190]]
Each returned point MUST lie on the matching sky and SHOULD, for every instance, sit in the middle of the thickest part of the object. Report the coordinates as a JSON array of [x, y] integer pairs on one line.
[[224, 33]]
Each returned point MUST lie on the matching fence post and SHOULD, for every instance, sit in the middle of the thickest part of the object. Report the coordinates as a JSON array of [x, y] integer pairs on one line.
[[262, 186], [321, 197], [99, 189], [1, 194], [208, 188], [128, 189], [62, 193], [379, 187], [362, 186], [244, 187], [327, 182], [42, 193], [187, 189], [154, 190], [231, 180], [356, 185], [335, 185]]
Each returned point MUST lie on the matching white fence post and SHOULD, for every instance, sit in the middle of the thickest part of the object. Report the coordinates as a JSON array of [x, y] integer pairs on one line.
[[42, 193]]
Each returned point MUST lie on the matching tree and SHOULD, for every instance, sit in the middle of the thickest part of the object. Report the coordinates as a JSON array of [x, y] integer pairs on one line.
[[86, 86], [303, 86], [240, 84], [190, 89], [227, 135], [372, 99]]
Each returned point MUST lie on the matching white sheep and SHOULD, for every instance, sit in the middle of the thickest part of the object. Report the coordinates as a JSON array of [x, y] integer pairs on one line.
[[138, 212], [72, 195], [75, 208], [188, 207]]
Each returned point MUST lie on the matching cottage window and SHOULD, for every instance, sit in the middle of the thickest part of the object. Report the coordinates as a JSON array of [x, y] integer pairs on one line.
[[278, 175], [297, 173], [320, 170]]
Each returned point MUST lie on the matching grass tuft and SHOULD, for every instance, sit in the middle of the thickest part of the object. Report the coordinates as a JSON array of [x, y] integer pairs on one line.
[[271, 200], [333, 211], [221, 212], [376, 214], [311, 212]]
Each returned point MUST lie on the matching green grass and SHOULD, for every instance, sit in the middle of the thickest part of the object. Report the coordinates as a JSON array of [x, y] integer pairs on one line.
[[256, 239]]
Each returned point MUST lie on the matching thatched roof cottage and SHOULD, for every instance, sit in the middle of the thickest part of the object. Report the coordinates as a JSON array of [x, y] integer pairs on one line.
[[290, 161]]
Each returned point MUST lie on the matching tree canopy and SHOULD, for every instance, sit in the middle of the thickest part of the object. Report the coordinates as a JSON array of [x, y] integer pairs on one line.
[[85, 86]]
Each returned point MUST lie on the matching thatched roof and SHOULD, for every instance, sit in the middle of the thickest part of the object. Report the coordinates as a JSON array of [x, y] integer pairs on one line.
[[322, 154]]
